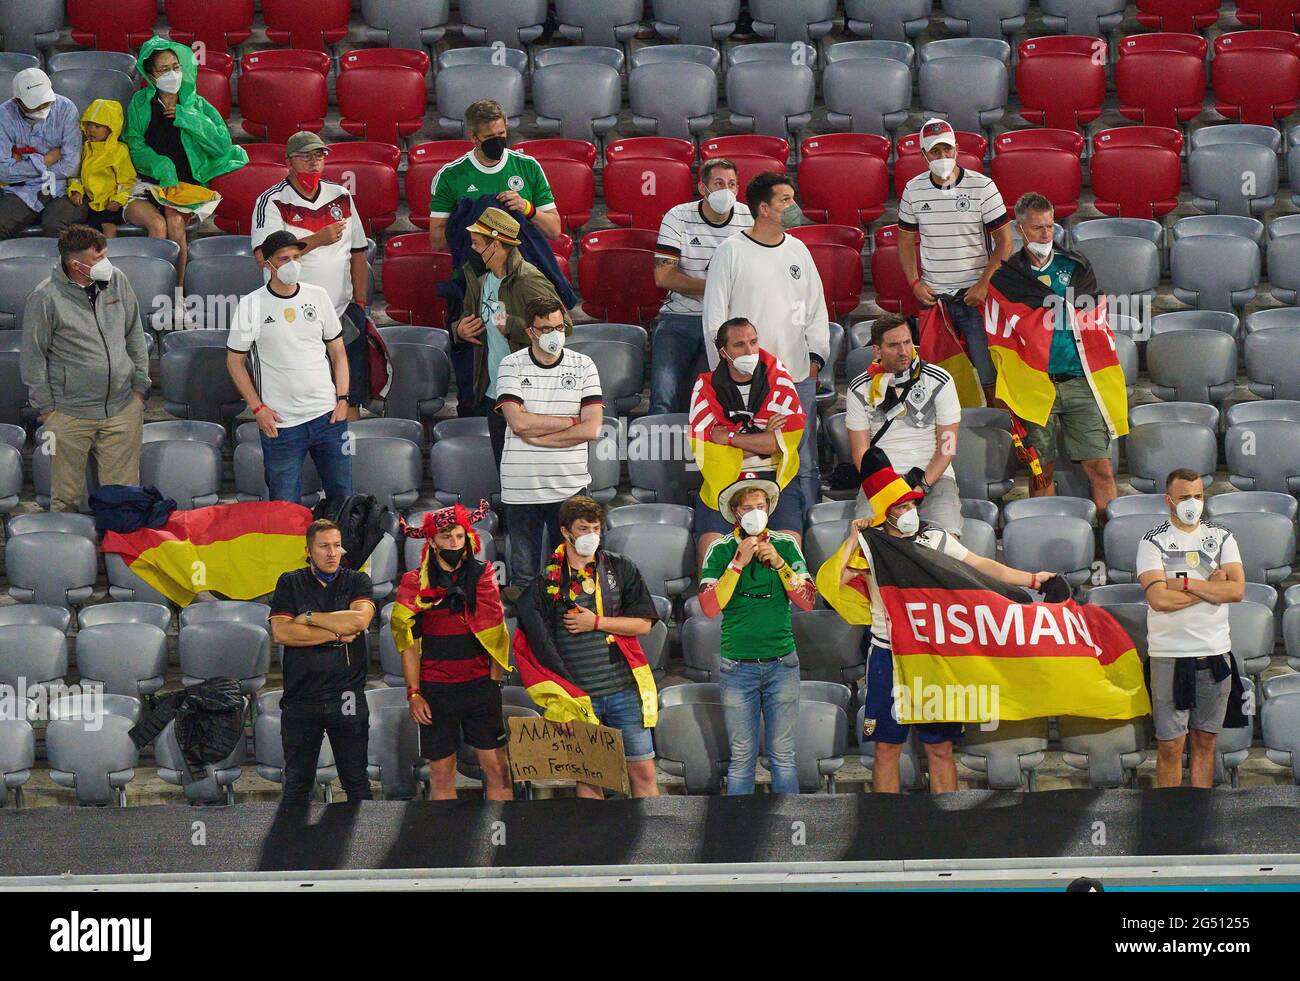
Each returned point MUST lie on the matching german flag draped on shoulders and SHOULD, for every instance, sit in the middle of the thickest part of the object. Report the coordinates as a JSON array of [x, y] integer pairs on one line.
[[716, 401]]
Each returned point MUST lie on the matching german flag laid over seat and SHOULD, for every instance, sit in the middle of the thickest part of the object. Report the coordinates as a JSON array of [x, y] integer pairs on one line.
[[237, 550]]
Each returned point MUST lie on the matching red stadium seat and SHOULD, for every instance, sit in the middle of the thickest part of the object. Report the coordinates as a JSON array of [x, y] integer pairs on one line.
[[750, 165], [968, 144], [843, 188], [220, 62], [640, 147], [1070, 140], [410, 243], [417, 60], [849, 236], [310, 24], [1161, 136], [574, 185], [215, 87], [1187, 43], [277, 102], [1256, 75], [618, 238], [218, 26], [1161, 87], [272, 153], [1178, 16], [118, 26], [562, 248], [384, 103], [840, 269], [1060, 89], [559, 149], [317, 61], [410, 271], [239, 191], [1055, 173], [1135, 180], [618, 285], [1081, 44], [374, 188], [868, 143], [422, 163], [887, 279], [907, 166], [383, 153], [638, 192], [746, 144], [1277, 15]]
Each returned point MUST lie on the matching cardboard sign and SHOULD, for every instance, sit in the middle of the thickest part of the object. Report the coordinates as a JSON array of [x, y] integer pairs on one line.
[[540, 750]]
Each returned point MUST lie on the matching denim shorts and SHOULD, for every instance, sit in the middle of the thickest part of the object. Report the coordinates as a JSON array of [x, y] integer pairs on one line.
[[621, 710]]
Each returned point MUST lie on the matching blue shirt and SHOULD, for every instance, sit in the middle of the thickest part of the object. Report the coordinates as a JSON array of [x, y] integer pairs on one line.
[[1064, 356], [25, 178], [497, 344]]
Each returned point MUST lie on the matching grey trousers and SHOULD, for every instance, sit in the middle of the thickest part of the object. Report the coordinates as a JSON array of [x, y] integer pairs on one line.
[[57, 215]]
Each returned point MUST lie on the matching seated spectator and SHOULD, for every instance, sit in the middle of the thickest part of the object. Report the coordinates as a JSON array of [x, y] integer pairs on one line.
[[450, 628], [86, 367], [40, 148], [176, 138], [750, 578], [553, 407], [320, 613], [104, 185], [499, 284], [324, 215], [581, 618], [297, 342], [746, 416]]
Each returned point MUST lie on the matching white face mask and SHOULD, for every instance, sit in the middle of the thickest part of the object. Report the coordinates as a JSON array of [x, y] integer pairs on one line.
[[1039, 250], [942, 167], [37, 115], [100, 272], [1189, 511], [169, 83], [746, 364], [722, 200], [909, 523], [753, 522], [552, 343], [289, 273], [587, 544], [266, 275]]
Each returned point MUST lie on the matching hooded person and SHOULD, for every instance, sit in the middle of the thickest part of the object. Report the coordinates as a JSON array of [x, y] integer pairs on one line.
[[107, 175], [449, 627]]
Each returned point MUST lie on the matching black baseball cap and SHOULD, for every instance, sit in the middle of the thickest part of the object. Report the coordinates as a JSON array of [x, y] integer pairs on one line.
[[276, 241]]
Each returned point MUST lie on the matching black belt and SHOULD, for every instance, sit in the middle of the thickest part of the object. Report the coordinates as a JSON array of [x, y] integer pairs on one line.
[[1057, 379], [758, 660]]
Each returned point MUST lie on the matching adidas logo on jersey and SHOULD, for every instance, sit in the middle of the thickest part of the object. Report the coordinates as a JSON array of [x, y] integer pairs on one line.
[[695, 241], [926, 206], [268, 320], [471, 189], [526, 383]]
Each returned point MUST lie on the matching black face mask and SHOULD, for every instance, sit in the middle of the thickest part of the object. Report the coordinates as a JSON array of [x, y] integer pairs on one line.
[[494, 148], [475, 262], [452, 556]]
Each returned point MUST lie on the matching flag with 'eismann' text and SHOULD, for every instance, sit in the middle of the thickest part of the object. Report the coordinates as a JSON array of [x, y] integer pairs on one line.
[[951, 627]]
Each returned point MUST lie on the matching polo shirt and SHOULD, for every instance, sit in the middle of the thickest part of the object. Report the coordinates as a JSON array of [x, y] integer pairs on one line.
[[954, 223], [756, 621], [316, 677]]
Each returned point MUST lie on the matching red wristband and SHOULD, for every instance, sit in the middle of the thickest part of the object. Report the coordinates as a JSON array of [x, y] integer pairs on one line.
[[597, 624], [912, 284], [259, 407], [530, 209]]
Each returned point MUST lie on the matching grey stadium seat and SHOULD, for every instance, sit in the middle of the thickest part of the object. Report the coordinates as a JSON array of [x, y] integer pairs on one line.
[[988, 417], [458, 57], [1215, 174], [514, 23], [830, 511], [50, 567], [154, 282], [217, 785], [608, 22], [389, 468], [19, 277], [1280, 724], [701, 640], [1125, 267], [130, 612], [1120, 539], [658, 468], [651, 514], [1192, 366], [985, 464], [393, 750], [673, 99], [1236, 225], [1109, 750], [1268, 319], [61, 521], [821, 540], [1215, 272], [185, 470], [984, 18], [127, 587], [32, 24], [676, 54], [215, 245], [217, 282], [1156, 449], [153, 248], [577, 101], [43, 247], [665, 555], [1264, 456], [225, 649], [463, 470], [979, 537], [174, 340], [703, 22], [97, 763], [690, 693], [1221, 320], [1126, 348], [1049, 507], [868, 95], [415, 334], [390, 658], [1089, 18], [1286, 410], [632, 334], [1271, 359], [892, 20], [965, 47], [829, 647], [58, 617], [196, 385], [459, 85], [84, 85], [421, 376], [830, 692], [459, 426], [1284, 261], [125, 658], [793, 20], [1251, 627], [13, 435], [1291, 636], [1008, 755], [621, 368], [1236, 133], [691, 742], [227, 611], [770, 98], [1199, 413], [969, 92], [409, 24], [32, 654], [1060, 544], [889, 50], [1266, 541], [90, 706], [118, 61], [580, 54], [17, 758], [821, 737], [1095, 228], [191, 429]]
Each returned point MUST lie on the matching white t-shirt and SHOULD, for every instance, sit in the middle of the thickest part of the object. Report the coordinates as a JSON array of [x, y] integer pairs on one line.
[[935, 538], [776, 288], [954, 223], [538, 474], [690, 238], [911, 440], [1201, 630], [287, 338], [329, 266]]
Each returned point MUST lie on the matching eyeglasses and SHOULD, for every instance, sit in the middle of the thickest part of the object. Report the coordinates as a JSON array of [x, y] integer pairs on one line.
[[311, 157], [548, 330], [159, 72]]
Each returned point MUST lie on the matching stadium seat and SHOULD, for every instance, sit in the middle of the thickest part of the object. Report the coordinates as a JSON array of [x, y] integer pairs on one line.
[[625, 184], [50, 567], [1068, 140], [889, 50], [17, 758], [1287, 410], [849, 236], [770, 98], [422, 164], [1215, 272], [1126, 268], [746, 145], [887, 279], [1200, 413], [1275, 15], [124, 25], [96, 761], [225, 649], [1280, 724], [618, 284], [892, 20], [118, 61], [1178, 16], [240, 190], [1135, 181], [659, 471], [459, 86], [11, 477], [829, 647], [857, 143], [1160, 86], [969, 92], [458, 57], [1061, 544], [698, 54], [513, 23], [1086, 231], [218, 26], [1264, 455], [1090, 18], [382, 102], [152, 614], [275, 103], [559, 148], [792, 20], [692, 693], [187, 471], [577, 101], [308, 24], [961, 47], [1234, 226], [1192, 366], [651, 514], [867, 95], [464, 471], [84, 85], [984, 18], [215, 87], [840, 269], [317, 61], [1058, 88], [1165, 137], [691, 743], [1156, 449], [58, 617], [216, 786], [413, 24], [618, 238], [985, 463], [843, 188], [408, 272], [366, 150], [1233, 178], [673, 99], [612, 22], [773, 52], [1053, 506], [1111, 751], [652, 147], [392, 751], [1256, 75], [374, 188], [621, 367], [1056, 174], [580, 54], [124, 658], [1267, 543], [196, 385], [31, 26], [419, 386], [1269, 373], [1007, 755], [213, 285], [665, 555], [388, 468], [1261, 501]]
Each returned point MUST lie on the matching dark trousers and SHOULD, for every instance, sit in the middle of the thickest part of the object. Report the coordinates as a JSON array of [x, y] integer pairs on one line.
[[301, 735], [462, 366], [496, 427], [58, 214], [528, 524]]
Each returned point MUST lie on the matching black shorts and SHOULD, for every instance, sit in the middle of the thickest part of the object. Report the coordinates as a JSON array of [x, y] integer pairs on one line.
[[358, 359], [98, 219], [469, 710]]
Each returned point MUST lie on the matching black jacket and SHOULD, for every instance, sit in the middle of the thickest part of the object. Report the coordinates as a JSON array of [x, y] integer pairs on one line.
[[209, 722], [362, 522], [1017, 281]]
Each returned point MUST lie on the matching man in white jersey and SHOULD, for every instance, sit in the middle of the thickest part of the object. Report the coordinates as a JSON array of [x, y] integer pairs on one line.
[[1190, 570]]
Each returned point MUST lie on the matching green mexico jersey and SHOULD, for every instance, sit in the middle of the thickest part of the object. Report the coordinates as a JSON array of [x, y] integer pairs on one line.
[[467, 178], [756, 622]]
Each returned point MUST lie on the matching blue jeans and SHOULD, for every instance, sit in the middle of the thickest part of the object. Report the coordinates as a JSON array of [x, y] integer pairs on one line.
[[747, 689], [810, 481], [675, 349], [282, 459], [527, 523], [621, 710], [969, 322]]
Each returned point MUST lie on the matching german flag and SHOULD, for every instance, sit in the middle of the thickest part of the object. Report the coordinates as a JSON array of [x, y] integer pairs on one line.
[[487, 622], [955, 632], [940, 345], [236, 550], [560, 698]]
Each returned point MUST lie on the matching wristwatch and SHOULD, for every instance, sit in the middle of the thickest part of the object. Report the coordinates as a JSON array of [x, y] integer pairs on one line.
[[309, 612]]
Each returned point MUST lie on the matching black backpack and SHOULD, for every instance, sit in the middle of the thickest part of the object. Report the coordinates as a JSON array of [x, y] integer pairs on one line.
[[362, 522]]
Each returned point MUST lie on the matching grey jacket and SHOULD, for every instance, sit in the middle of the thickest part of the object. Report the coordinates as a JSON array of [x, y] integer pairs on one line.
[[84, 361]]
